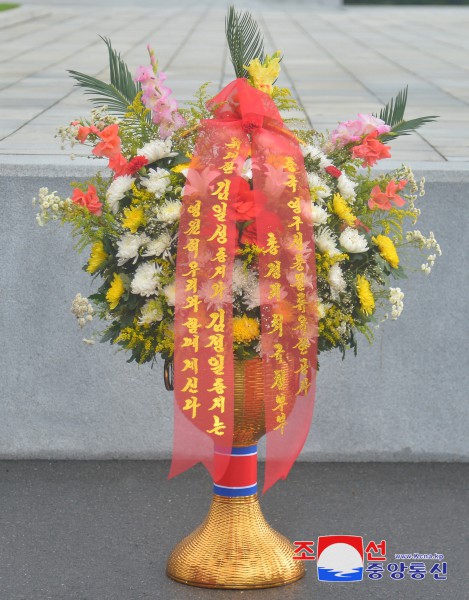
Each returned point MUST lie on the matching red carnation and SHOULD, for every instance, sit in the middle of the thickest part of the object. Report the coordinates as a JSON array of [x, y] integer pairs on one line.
[[120, 166], [333, 171], [136, 164]]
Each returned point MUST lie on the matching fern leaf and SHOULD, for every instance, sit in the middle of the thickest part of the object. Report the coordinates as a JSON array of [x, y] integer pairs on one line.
[[393, 114], [245, 40]]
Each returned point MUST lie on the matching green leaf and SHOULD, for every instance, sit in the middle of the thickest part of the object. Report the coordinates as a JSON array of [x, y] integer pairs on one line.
[[119, 93], [393, 114], [244, 38]]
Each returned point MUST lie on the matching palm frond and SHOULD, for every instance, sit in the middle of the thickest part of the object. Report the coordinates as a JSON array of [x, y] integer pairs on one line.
[[407, 127], [116, 95], [244, 38], [121, 77], [393, 114], [394, 110]]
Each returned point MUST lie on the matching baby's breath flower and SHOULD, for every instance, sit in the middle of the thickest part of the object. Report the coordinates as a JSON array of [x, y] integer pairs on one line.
[[82, 309]]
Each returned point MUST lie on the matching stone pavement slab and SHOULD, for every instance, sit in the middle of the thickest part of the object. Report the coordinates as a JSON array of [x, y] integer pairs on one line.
[[338, 61], [102, 530]]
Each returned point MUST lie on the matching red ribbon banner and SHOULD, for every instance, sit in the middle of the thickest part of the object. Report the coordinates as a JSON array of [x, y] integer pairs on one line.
[[246, 123]]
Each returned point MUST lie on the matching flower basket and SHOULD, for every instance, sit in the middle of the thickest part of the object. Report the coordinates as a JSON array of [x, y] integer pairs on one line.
[[237, 245]]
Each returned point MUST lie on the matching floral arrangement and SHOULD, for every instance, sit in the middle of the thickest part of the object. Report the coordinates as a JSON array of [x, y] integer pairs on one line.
[[127, 217]]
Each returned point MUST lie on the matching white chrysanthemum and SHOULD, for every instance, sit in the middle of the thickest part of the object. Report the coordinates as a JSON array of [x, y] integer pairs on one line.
[[169, 212], [326, 241], [396, 297], [316, 154], [346, 188], [246, 285], [129, 246], [157, 182], [156, 150], [117, 190], [170, 293], [246, 172], [151, 313], [319, 190], [352, 241], [239, 277], [158, 246], [146, 280], [336, 279], [318, 214]]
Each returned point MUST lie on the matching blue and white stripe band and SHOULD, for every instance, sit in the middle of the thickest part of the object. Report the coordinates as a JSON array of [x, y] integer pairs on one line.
[[234, 492]]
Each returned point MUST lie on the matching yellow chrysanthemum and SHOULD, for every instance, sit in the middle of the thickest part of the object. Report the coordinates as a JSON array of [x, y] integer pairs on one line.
[[263, 75], [245, 329], [114, 293], [387, 249], [133, 218], [365, 295], [180, 168], [97, 257], [343, 210]]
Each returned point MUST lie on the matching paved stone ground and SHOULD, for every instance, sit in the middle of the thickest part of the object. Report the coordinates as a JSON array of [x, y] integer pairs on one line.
[[339, 61], [103, 530]]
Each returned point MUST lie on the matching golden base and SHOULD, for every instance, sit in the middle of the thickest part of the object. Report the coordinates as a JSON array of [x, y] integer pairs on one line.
[[234, 548]]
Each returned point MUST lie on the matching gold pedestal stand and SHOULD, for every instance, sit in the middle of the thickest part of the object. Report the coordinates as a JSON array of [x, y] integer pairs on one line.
[[235, 547]]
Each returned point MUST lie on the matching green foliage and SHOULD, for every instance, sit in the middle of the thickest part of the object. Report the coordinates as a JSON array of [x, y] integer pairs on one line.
[[136, 128], [245, 40], [393, 114], [196, 110], [116, 95], [284, 100]]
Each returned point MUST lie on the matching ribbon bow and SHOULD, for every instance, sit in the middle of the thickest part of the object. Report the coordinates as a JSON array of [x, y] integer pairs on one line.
[[277, 211]]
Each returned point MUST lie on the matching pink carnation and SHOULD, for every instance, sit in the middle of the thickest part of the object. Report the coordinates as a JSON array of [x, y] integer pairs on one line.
[[353, 131]]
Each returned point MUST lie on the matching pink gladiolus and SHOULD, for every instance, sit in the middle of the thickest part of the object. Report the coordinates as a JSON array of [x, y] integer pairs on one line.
[[371, 150], [382, 200], [353, 131], [156, 97], [88, 199]]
